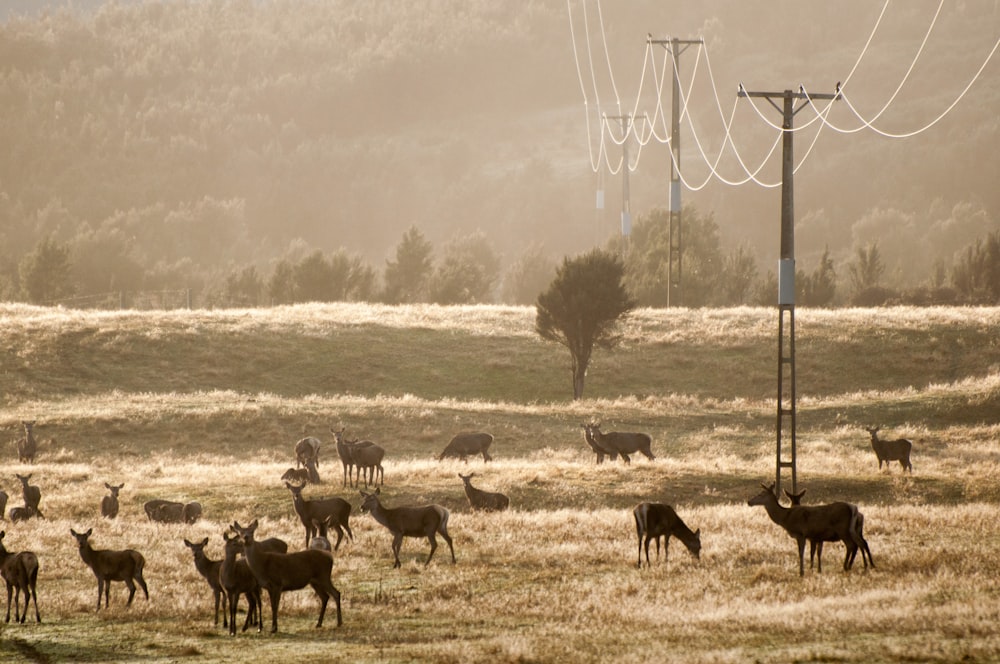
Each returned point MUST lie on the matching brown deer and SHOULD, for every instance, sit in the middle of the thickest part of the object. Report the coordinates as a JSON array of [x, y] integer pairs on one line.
[[109, 566], [465, 445], [588, 436], [27, 447], [209, 569], [109, 504], [891, 450], [20, 572], [362, 455], [656, 520], [306, 450], [32, 494], [424, 521], [483, 500], [828, 523], [332, 511], [237, 579], [621, 442], [278, 572], [816, 546]]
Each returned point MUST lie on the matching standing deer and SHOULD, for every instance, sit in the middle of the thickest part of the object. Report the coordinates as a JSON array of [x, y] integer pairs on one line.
[[425, 521], [621, 442], [828, 523], [278, 572], [237, 579], [816, 546], [468, 444], [333, 511], [588, 436], [109, 504], [344, 451], [656, 520], [483, 500], [32, 494], [363, 455], [111, 566], [27, 447], [209, 569], [20, 572], [891, 450]]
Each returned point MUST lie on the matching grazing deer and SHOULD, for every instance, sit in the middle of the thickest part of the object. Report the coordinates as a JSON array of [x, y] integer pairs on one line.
[[655, 520], [237, 579], [27, 447], [32, 494], [621, 442], [425, 521], [891, 450], [828, 523], [20, 572], [483, 500], [333, 511], [468, 444], [209, 569], [109, 504], [306, 450], [588, 436], [278, 572], [816, 546], [111, 566]]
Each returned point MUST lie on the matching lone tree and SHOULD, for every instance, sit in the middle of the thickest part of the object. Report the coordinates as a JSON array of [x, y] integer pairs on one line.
[[582, 306]]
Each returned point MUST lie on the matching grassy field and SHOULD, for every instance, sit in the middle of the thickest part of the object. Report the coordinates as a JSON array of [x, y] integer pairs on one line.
[[207, 406]]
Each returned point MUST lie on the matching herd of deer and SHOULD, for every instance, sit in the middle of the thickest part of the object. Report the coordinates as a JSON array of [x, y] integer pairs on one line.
[[250, 565]]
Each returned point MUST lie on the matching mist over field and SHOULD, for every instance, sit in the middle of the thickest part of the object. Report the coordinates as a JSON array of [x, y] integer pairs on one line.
[[181, 141]]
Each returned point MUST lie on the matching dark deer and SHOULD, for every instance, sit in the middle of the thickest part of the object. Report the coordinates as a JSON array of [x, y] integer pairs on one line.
[[363, 455], [109, 504], [891, 450], [332, 511], [588, 436], [621, 442], [656, 520], [209, 569], [306, 450], [3, 502], [20, 572], [424, 521], [344, 451], [300, 475], [32, 494], [111, 566], [23, 513], [816, 546], [170, 511], [465, 445], [827, 523], [27, 447], [278, 572], [484, 500], [237, 579]]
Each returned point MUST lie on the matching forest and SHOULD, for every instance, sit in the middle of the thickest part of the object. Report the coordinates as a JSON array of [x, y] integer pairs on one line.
[[254, 153]]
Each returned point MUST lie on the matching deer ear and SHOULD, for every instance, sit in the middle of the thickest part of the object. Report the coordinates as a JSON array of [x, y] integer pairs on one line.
[[204, 542], [89, 532]]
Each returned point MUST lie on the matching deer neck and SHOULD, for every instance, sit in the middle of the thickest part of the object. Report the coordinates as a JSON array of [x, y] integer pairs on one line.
[[776, 512], [380, 513]]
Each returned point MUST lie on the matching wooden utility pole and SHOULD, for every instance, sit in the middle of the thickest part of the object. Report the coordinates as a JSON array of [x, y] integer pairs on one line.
[[786, 278], [675, 273]]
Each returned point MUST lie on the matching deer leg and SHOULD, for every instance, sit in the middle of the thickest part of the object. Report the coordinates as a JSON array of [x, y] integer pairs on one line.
[[324, 597], [340, 536], [434, 546], [234, 601], [275, 596], [131, 590], [10, 591], [397, 543], [819, 556], [801, 542]]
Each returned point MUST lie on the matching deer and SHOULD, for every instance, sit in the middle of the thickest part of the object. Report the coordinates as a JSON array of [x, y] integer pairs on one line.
[[300, 475], [598, 450], [23, 513], [307, 449], [425, 521], [237, 579], [828, 523], [344, 451], [109, 504], [363, 455], [333, 511], [655, 520], [109, 565], [27, 447], [816, 546], [20, 572], [3, 502], [32, 494], [171, 511], [483, 500], [464, 445], [209, 569], [891, 450], [278, 572], [621, 442]]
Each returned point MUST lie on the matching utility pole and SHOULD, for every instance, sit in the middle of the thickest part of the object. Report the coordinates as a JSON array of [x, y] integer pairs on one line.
[[675, 273], [786, 276], [626, 125]]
